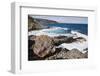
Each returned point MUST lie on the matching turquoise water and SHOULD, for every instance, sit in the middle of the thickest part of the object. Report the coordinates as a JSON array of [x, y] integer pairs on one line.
[[59, 31], [82, 28]]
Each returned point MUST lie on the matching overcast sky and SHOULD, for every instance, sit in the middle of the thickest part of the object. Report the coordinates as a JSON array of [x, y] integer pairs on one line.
[[65, 19]]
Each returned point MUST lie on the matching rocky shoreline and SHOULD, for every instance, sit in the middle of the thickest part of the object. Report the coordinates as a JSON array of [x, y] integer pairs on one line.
[[44, 47]]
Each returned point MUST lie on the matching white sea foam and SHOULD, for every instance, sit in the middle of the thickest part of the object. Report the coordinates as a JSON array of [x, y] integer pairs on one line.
[[80, 34], [52, 32], [76, 45]]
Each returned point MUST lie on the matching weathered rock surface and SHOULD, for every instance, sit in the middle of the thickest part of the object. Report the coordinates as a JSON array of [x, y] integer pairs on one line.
[[68, 54], [43, 46]]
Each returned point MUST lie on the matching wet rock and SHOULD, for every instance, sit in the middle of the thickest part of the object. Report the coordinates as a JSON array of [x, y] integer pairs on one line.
[[80, 39], [63, 39]]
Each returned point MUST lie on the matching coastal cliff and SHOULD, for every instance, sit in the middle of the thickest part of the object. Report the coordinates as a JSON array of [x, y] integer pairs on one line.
[[37, 24]]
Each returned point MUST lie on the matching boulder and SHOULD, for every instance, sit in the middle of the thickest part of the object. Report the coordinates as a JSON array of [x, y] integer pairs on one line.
[[43, 46], [74, 54], [68, 54]]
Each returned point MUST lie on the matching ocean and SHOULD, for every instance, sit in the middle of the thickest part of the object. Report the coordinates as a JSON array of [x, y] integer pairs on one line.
[[82, 28]]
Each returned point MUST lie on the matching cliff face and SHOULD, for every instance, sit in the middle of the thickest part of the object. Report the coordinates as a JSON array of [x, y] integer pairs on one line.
[[33, 24], [36, 24], [45, 22]]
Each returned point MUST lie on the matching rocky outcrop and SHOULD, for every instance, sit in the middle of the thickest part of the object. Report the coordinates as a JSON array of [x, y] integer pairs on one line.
[[43, 46], [37, 24], [63, 39], [33, 24], [68, 54], [45, 22]]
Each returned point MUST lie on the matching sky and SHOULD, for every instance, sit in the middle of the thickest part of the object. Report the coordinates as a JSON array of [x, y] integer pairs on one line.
[[64, 19]]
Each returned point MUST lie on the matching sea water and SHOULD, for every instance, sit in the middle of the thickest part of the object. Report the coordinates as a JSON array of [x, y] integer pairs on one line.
[[58, 30], [82, 28]]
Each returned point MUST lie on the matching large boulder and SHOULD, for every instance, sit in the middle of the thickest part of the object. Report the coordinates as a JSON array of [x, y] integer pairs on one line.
[[43, 46]]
